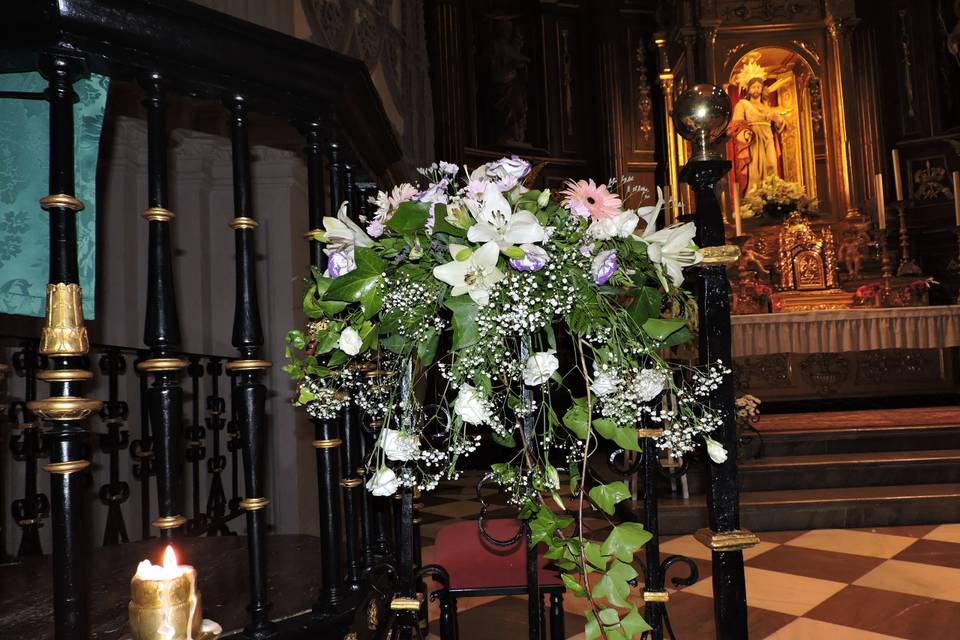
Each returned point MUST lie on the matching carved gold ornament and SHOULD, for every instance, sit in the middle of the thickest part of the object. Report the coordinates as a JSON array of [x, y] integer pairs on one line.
[[750, 70], [722, 254], [64, 333], [373, 615], [65, 408]]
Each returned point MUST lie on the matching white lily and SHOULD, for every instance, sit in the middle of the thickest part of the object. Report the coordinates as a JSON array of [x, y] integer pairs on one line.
[[673, 249], [650, 214], [341, 235], [715, 450], [472, 272], [621, 225], [497, 222]]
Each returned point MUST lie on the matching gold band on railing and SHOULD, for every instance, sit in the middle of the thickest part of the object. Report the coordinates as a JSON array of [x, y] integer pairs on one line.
[[162, 364], [68, 466], [327, 444], [114, 420], [350, 483], [144, 454], [361, 471], [64, 408], [242, 222], [63, 332], [727, 540], [313, 234], [26, 522], [405, 604], [65, 375], [722, 254], [252, 504], [28, 425], [248, 365], [649, 433], [656, 596], [60, 201], [169, 522], [159, 214]]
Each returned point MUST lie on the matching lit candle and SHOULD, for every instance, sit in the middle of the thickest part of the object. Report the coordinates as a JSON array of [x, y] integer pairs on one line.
[[165, 602], [897, 184], [736, 209], [956, 196], [881, 206]]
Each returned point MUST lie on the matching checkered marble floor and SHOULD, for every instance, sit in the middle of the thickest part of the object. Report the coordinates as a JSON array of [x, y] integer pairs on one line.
[[871, 584]]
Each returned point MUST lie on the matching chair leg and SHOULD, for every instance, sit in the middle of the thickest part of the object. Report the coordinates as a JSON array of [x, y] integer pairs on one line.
[[448, 618], [557, 631]]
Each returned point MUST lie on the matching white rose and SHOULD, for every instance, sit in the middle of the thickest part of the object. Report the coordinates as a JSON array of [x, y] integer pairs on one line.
[[470, 406], [350, 341], [603, 383], [715, 450], [399, 447], [383, 483], [650, 383], [540, 366]]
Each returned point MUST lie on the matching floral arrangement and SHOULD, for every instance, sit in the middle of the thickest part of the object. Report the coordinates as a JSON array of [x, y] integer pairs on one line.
[[776, 197], [539, 319], [752, 297], [915, 293], [748, 414]]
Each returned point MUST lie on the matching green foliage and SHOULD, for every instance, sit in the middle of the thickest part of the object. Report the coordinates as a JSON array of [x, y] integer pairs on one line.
[[409, 217], [606, 496]]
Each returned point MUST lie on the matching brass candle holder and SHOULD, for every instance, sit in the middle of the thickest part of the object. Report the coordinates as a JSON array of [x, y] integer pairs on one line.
[[907, 266], [885, 266]]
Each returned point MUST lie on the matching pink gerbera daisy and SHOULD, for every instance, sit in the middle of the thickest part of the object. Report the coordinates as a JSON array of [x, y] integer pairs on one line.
[[587, 200]]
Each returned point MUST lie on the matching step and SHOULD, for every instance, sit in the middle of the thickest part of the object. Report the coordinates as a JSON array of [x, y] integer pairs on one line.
[[819, 471], [859, 439], [835, 508]]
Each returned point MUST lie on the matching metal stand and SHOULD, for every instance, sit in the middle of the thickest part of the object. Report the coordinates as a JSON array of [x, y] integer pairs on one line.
[[114, 414], [885, 262], [724, 537]]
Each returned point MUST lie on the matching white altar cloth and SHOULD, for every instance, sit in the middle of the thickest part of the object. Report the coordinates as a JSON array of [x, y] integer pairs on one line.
[[846, 330]]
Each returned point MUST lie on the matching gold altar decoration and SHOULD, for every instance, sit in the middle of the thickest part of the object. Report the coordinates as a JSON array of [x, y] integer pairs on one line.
[[64, 333]]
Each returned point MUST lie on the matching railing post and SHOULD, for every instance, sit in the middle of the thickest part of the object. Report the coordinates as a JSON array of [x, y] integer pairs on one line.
[[141, 449], [327, 440], [28, 447], [161, 331], [114, 415], [65, 343], [724, 537], [249, 394]]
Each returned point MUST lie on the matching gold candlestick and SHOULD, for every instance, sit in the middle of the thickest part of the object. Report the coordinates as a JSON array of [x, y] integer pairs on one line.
[[907, 266], [885, 260]]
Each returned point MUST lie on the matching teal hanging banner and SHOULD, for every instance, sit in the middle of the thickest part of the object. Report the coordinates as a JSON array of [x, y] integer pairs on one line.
[[24, 164]]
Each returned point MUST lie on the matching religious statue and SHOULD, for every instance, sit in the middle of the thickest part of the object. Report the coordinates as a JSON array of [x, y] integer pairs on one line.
[[755, 127], [851, 247], [750, 256]]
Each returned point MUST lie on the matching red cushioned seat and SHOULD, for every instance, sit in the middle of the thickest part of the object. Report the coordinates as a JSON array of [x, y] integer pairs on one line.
[[473, 562]]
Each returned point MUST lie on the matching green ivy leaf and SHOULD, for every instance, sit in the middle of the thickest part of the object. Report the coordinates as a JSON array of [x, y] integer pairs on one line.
[[625, 540], [591, 630], [577, 420], [609, 617], [507, 441], [683, 336], [371, 302], [367, 260], [327, 341], [427, 349], [595, 558], [409, 217], [305, 396], [573, 586], [606, 496], [465, 331], [645, 306], [626, 438], [633, 624], [605, 427], [296, 339], [352, 286], [395, 343], [661, 328], [514, 252]]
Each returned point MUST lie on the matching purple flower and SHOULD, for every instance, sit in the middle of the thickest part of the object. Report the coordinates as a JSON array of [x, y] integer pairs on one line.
[[375, 228], [604, 266], [507, 172], [340, 263], [534, 260], [434, 194]]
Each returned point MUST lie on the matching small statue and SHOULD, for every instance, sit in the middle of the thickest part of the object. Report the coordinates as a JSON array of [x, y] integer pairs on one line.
[[851, 250], [750, 256]]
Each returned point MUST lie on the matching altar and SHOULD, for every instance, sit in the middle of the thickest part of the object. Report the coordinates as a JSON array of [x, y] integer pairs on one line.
[[847, 352]]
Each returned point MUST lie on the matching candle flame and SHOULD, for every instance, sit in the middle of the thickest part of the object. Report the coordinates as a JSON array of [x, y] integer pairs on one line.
[[169, 558]]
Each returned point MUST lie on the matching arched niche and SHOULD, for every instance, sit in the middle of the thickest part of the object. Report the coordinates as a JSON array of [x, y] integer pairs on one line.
[[791, 109]]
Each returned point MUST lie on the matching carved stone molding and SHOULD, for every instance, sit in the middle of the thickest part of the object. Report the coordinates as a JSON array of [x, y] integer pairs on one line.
[[644, 102], [760, 11]]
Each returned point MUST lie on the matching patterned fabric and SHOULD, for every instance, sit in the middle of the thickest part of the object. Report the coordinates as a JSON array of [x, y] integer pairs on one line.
[[24, 162]]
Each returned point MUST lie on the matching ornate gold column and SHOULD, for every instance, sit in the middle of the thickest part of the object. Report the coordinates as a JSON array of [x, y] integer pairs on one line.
[[670, 136], [849, 182]]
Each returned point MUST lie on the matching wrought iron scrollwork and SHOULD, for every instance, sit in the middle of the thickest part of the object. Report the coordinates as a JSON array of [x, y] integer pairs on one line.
[[196, 450], [114, 414]]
